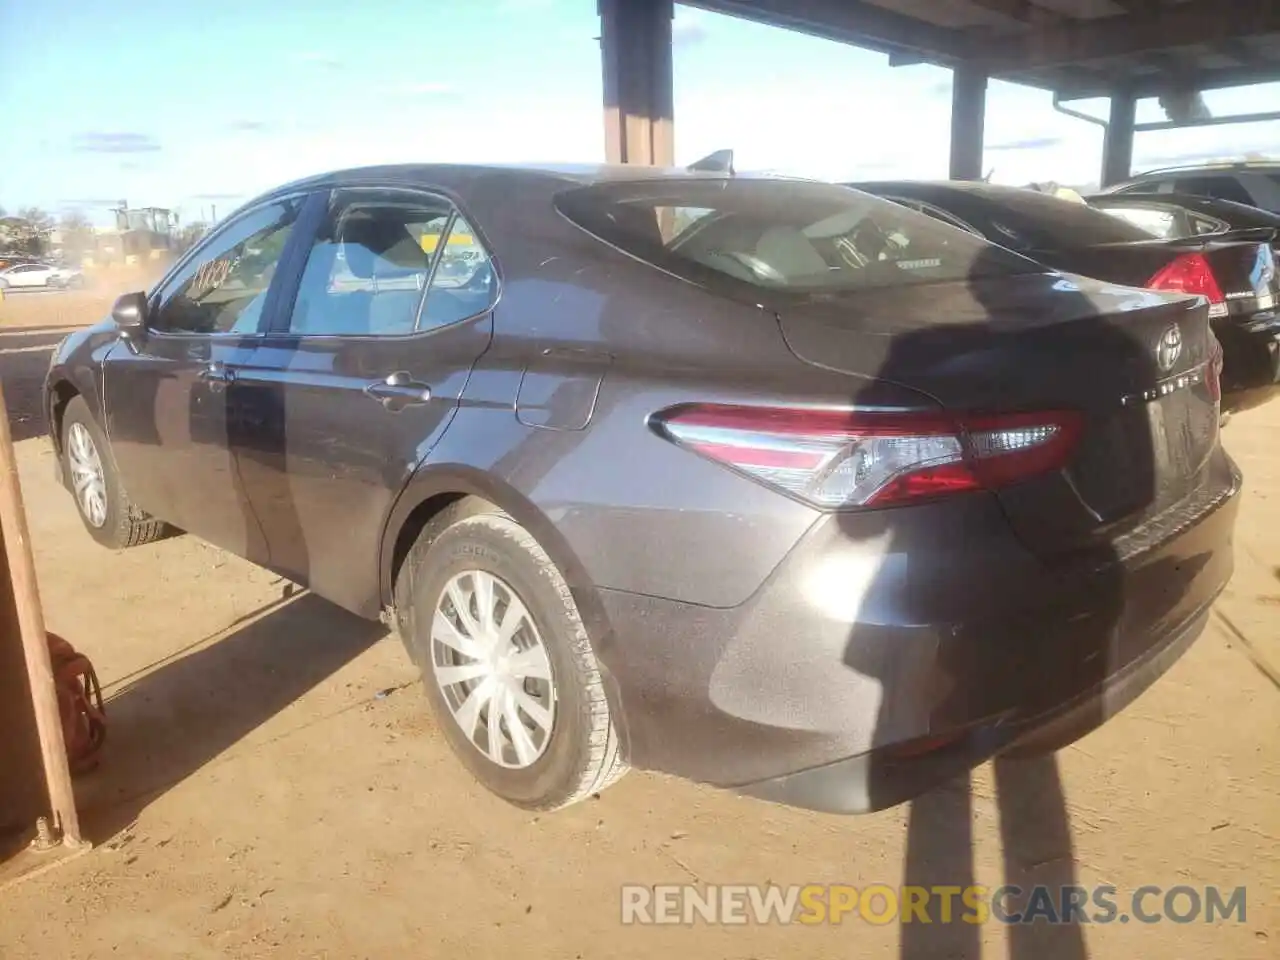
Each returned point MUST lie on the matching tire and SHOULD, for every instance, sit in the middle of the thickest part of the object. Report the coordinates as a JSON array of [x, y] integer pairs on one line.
[[581, 754], [121, 523]]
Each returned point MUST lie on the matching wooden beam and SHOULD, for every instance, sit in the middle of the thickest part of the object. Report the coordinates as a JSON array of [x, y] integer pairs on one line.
[[635, 48], [847, 21], [1117, 142], [35, 642], [1263, 117], [1184, 24], [1021, 11], [968, 122], [1077, 87], [1239, 51]]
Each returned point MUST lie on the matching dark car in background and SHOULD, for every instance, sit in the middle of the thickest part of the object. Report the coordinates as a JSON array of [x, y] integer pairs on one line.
[[1236, 272], [1173, 216], [1255, 183], [679, 472]]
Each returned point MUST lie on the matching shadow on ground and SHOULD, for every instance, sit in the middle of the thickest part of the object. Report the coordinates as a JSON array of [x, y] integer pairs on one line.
[[1035, 837], [181, 714], [24, 360]]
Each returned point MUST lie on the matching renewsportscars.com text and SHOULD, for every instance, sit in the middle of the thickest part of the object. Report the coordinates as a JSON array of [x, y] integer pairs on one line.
[[814, 904]]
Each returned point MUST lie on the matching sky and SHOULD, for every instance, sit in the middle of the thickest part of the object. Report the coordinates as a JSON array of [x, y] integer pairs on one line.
[[199, 107]]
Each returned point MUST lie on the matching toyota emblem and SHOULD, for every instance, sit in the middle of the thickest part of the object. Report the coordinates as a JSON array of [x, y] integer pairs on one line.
[[1169, 348]]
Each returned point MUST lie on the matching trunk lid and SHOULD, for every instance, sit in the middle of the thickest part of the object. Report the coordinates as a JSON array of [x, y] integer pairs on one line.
[[1242, 261], [1134, 363]]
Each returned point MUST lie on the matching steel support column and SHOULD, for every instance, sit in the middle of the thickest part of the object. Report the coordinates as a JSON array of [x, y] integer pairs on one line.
[[968, 121], [635, 47], [1117, 143]]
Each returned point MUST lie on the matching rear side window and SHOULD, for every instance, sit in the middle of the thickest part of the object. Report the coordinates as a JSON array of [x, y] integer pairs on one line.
[[1157, 221], [1033, 221], [378, 255], [1224, 188], [784, 235], [1145, 185]]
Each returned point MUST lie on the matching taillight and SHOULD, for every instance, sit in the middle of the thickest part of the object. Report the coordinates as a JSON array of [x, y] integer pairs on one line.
[[848, 458], [1191, 273]]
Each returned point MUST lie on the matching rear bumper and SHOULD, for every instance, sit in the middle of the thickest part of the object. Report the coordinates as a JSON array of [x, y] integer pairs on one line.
[[1250, 360], [874, 781], [879, 661]]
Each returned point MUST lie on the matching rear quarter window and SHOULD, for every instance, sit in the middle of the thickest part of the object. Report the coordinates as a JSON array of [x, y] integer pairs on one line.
[[1221, 187], [1038, 221], [785, 235]]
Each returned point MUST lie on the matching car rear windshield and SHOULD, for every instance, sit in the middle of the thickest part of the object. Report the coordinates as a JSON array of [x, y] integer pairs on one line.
[[785, 235], [1037, 221]]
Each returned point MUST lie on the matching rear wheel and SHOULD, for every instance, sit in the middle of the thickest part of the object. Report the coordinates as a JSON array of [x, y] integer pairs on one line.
[[104, 506], [506, 661]]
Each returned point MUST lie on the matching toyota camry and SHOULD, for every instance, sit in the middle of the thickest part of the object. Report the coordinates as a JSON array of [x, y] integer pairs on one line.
[[765, 483]]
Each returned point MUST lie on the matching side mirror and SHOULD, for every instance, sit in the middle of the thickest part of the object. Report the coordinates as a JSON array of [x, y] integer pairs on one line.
[[130, 314]]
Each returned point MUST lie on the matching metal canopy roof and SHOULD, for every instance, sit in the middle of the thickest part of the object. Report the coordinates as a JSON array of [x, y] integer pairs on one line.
[[1076, 48]]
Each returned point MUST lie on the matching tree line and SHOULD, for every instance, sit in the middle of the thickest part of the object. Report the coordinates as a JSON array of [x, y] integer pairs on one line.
[[29, 232]]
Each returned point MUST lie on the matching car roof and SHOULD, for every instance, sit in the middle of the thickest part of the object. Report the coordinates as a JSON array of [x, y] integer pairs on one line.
[[1227, 166], [426, 174], [461, 178], [976, 188]]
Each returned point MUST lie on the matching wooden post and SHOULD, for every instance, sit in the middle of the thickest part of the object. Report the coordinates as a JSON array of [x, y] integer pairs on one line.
[[635, 48], [968, 121], [35, 644], [1117, 144]]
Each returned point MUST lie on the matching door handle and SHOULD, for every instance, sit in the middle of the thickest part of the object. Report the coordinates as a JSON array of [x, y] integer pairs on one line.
[[399, 390], [216, 374]]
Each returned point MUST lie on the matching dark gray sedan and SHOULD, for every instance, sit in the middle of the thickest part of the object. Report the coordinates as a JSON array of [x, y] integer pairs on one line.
[[765, 483]]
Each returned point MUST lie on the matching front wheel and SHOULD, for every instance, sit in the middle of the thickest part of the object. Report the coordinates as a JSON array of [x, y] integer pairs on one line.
[[104, 507], [506, 661]]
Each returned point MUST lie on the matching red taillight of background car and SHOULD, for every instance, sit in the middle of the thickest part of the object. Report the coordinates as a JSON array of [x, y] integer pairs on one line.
[[849, 458], [1191, 273]]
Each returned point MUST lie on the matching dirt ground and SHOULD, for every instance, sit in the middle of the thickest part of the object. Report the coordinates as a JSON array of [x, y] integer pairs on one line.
[[274, 785]]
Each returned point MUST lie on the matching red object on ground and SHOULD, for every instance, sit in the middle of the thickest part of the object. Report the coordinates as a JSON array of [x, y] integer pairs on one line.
[[84, 719]]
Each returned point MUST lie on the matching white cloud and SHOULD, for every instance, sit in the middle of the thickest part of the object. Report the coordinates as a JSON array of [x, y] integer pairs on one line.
[[688, 28], [315, 58], [427, 89]]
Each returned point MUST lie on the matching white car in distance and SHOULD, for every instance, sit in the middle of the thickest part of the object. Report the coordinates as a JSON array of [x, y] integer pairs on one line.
[[25, 275]]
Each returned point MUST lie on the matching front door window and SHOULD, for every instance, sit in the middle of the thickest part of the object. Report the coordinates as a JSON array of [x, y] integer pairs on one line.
[[224, 287]]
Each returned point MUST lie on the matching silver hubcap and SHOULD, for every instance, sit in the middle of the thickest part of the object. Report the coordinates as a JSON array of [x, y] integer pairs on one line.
[[493, 669], [86, 475]]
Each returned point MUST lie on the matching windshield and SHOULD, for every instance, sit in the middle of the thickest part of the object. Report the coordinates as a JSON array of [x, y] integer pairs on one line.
[[785, 235]]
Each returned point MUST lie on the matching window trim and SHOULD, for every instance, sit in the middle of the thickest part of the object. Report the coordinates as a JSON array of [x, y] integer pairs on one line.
[[158, 293], [279, 328], [936, 212]]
